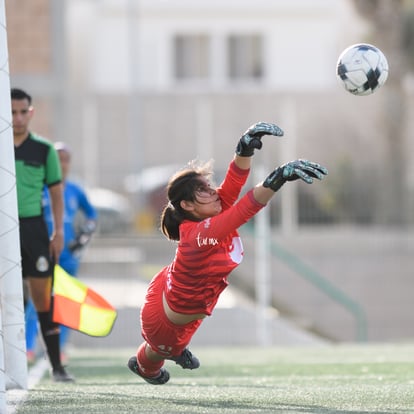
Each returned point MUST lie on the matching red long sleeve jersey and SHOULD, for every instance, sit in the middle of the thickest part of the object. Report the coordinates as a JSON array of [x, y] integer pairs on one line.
[[210, 249]]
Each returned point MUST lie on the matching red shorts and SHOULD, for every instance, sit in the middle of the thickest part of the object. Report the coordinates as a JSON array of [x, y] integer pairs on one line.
[[163, 336]]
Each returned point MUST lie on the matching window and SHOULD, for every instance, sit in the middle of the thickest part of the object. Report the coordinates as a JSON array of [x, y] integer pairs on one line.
[[245, 56], [191, 54]]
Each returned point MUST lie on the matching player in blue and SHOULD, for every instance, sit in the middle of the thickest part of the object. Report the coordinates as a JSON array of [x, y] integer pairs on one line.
[[76, 238], [75, 201]]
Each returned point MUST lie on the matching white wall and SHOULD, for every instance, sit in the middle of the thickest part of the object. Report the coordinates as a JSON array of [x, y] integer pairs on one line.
[[303, 39]]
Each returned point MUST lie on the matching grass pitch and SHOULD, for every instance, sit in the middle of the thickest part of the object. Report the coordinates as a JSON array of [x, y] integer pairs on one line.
[[344, 379]]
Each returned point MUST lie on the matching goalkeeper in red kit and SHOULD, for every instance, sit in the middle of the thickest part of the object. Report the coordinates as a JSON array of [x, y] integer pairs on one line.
[[204, 221]]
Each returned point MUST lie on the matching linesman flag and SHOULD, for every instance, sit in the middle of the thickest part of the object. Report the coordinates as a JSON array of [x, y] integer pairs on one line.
[[77, 306]]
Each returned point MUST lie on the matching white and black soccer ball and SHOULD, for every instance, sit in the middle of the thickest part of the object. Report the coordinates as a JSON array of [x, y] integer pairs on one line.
[[362, 69]]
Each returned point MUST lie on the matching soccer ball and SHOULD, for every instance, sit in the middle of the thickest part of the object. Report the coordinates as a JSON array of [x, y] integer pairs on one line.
[[362, 69]]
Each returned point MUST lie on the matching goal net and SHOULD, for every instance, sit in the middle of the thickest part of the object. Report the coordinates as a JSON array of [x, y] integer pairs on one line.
[[13, 364]]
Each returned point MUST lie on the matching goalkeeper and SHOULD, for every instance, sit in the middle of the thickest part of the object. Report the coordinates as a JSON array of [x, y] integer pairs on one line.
[[204, 221], [76, 238]]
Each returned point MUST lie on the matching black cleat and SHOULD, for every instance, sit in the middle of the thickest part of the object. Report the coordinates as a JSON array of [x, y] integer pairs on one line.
[[186, 360], [61, 375], [162, 378]]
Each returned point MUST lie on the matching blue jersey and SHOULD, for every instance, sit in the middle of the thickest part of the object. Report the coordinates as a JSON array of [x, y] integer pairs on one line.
[[75, 201]]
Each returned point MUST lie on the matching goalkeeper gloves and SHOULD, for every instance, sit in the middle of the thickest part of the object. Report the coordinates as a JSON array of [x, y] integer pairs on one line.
[[251, 139], [293, 170]]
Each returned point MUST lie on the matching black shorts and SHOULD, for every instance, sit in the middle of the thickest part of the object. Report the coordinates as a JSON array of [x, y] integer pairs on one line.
[[34, 247]]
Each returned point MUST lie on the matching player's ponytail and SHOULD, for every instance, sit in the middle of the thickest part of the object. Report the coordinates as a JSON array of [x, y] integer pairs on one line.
[[170, 223]]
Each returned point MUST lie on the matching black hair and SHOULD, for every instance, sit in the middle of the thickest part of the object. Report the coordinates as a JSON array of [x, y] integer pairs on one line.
[[182, 186], [20, 94]]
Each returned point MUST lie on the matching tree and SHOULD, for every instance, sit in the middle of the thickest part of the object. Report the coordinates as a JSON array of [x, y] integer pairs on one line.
[[387, 18]]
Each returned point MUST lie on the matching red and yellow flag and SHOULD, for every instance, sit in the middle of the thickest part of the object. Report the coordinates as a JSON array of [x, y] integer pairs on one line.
[[77, 306]]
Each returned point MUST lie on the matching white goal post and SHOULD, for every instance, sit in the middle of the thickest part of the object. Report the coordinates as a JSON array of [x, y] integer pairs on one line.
[[13, 362]]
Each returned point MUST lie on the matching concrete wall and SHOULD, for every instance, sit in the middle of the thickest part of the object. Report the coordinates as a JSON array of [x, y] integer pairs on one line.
[[371, 267]]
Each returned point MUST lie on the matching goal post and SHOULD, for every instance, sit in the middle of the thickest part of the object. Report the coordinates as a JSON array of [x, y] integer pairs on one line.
[[13, 362]]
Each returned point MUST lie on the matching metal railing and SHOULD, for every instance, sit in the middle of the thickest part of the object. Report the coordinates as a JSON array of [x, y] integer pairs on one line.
[[321, 283], [337, 295]]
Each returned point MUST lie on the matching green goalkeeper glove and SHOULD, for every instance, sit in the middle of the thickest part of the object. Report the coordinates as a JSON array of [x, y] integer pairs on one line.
[[251, 139], [293, 170]]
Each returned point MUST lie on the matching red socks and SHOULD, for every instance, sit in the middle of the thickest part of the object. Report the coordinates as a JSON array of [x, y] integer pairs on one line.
[[147, 367]]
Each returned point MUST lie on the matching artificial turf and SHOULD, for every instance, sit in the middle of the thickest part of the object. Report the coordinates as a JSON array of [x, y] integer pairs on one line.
[[346, 379]]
